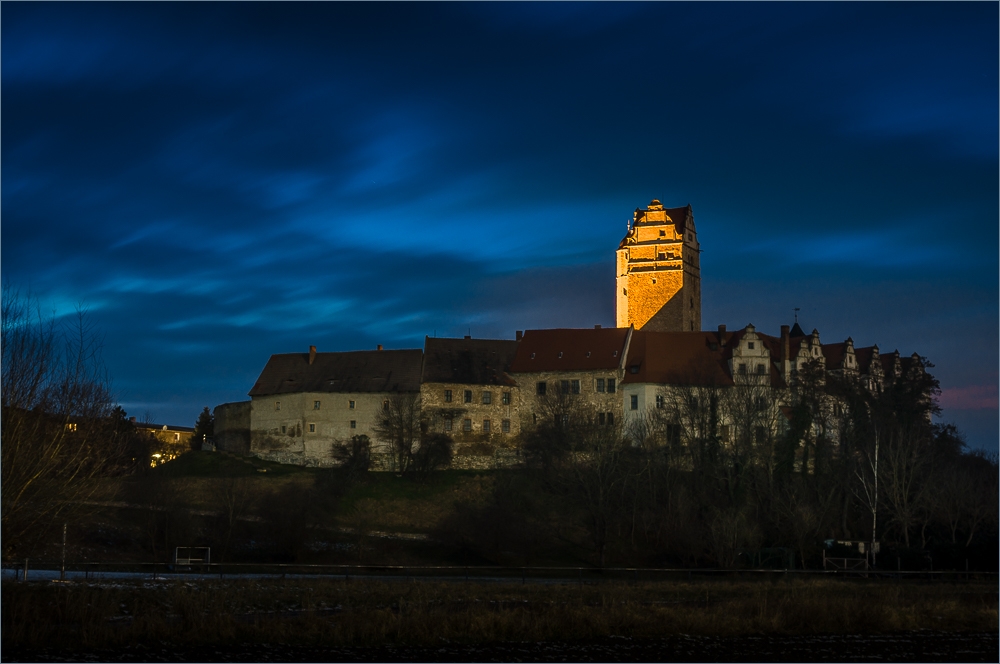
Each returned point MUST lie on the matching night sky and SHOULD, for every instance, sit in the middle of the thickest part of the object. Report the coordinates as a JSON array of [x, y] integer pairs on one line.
[[217, 183]]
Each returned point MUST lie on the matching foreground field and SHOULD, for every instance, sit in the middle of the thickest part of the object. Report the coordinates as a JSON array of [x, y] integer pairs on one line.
[[173, 621], [922, 646]]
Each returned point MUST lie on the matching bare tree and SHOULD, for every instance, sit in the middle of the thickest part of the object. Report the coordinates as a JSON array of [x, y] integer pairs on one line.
[[234, 496], [354, 455], [60, 427], [398, 425]]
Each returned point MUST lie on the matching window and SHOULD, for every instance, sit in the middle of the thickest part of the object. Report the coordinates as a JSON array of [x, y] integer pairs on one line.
[[506, 398], [350, 404], [447, 424], [284, 429], [315, 405], [761, 402], [177, 436], [634, 369], [600, 386], [743, 370], [611, 419], [600, 419], [447, 396], [634, 402], [574, 386], [468, 396], [663, 233], [662, 256], [564, 387], [277, 405], [486, 426], [611, 385], [466, 425], [761, 369], [540, 388], [354, 424], [312, 428], [487, 398], [659, 401], [505, 426], [71, 426], [750, 345]]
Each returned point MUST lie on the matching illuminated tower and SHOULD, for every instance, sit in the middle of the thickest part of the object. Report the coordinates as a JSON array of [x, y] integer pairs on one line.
[[659, 273]]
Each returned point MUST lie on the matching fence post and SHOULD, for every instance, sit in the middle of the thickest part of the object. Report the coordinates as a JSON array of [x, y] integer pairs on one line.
[[62, 565]]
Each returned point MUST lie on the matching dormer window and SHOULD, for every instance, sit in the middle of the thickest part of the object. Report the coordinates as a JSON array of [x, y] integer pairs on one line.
[[560, 354], [532, 356], [634, 369], [750, 345]]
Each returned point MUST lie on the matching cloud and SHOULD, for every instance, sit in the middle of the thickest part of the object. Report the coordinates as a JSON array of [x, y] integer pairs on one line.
[[971, 397]]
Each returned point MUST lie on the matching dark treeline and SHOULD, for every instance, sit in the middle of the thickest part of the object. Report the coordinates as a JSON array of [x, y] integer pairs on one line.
[[767, 488]]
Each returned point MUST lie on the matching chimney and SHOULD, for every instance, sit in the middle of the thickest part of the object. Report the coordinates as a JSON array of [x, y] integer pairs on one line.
[[379, 347], [597, 327], [722, 334], [518, 335], [784, 345], [312, 354]]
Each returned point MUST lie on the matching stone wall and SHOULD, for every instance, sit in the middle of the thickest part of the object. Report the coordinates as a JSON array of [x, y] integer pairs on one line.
[[589, 401], [232, 427], [437, 410], [307, 424]]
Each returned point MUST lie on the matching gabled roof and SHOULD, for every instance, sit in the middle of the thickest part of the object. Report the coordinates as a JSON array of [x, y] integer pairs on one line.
[[864, 358], [834, 354], [355, 371], [679, 216], [468, 361], [588, 349], [678, 358]]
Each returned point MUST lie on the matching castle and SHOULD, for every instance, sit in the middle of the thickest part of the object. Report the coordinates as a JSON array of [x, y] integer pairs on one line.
[[485, 392]]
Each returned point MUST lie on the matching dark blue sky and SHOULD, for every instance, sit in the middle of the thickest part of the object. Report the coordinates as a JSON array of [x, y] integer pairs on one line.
[[216, 183]]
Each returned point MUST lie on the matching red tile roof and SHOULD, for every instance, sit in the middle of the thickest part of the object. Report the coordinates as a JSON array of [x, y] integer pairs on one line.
[[589, 349], [678, 358]]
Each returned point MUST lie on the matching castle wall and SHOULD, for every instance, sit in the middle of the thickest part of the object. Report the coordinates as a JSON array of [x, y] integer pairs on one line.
[[437, 410], [291, 426], [534, 407], [232, 427]]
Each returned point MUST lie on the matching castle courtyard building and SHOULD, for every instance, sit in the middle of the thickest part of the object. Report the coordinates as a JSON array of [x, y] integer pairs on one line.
[[466, 392]]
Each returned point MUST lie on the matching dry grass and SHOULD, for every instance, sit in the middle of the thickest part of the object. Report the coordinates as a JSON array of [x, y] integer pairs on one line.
[[364, 613]]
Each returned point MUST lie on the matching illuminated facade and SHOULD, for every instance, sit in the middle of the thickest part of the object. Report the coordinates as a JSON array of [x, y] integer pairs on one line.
[[659, 271]]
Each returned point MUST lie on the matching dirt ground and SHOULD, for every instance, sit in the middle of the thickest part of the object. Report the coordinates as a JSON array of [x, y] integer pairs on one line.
[[921, 646]]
